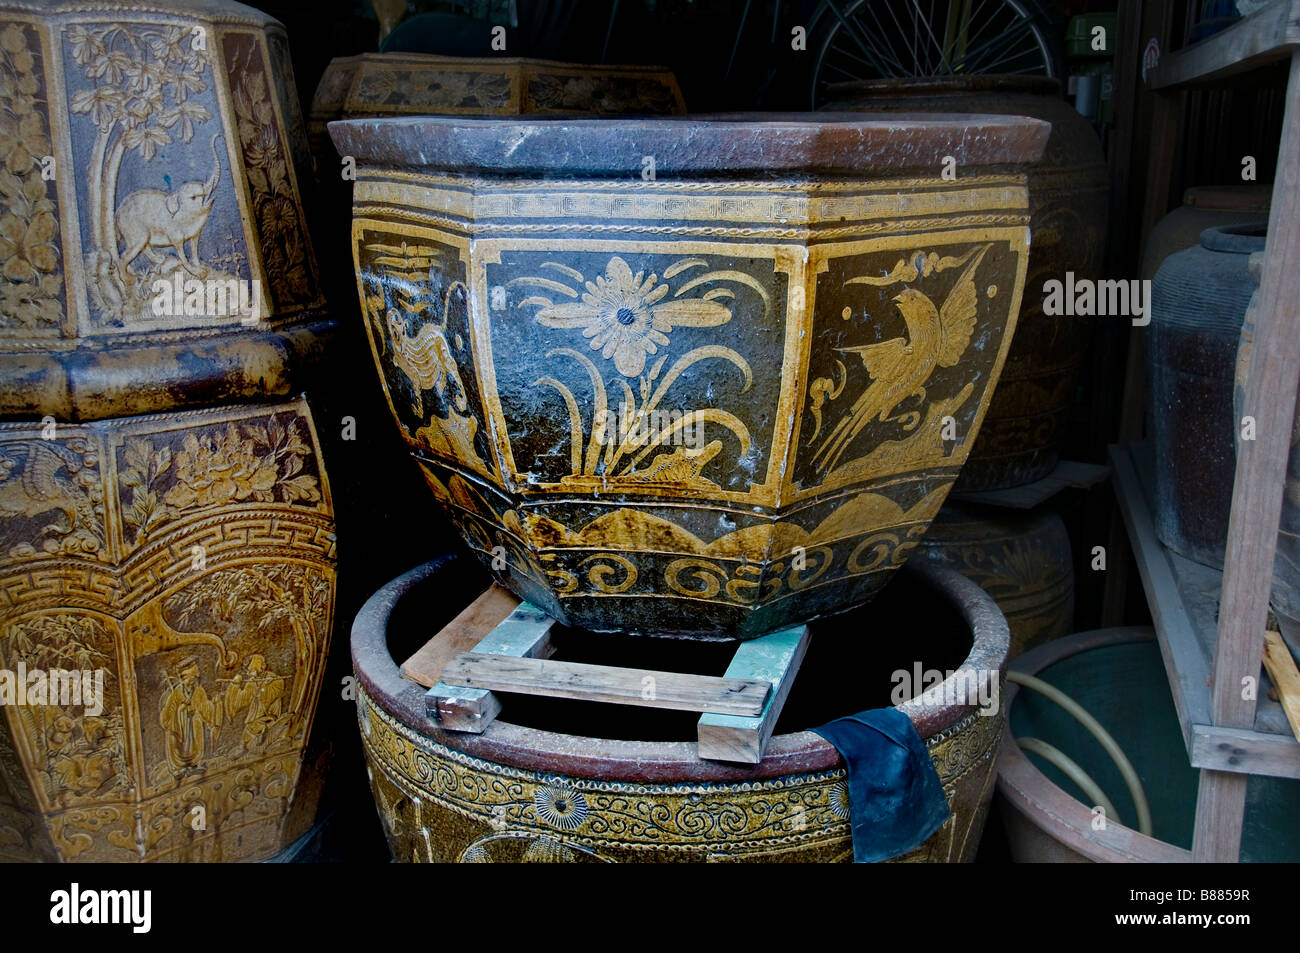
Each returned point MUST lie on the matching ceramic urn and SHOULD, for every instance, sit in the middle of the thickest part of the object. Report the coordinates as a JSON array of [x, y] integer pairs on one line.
[[697, 376], [166, 526]]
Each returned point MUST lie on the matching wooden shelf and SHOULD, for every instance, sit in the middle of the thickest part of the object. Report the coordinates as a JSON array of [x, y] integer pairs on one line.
[[1267, 35], [1184, 600]]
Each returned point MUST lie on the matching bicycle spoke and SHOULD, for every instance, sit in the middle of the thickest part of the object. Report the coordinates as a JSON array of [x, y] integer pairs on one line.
[[946, 37]]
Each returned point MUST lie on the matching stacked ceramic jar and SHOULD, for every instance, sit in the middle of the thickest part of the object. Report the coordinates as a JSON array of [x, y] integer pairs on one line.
[[166, 528]]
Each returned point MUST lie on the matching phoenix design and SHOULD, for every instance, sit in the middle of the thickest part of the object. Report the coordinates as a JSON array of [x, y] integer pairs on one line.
[[900, 367]]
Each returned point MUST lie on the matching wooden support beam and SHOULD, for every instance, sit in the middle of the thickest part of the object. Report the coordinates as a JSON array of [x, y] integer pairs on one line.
[[773, 658], [524, 634], [1271, 383], [606, 683]]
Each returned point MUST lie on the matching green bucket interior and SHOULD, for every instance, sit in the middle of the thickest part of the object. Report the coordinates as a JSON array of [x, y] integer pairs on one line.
[[1124, 687]]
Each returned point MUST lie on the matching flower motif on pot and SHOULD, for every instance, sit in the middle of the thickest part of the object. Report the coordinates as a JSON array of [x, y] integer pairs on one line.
[[623, 315], [248, 463], [563, 808], [629, 317], [838, 800], [29, 232]]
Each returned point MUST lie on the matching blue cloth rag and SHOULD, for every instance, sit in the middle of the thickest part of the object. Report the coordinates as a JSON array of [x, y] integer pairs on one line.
[[895, 798]]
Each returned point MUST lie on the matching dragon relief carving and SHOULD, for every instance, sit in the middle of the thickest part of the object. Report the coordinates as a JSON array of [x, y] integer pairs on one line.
[[56, 487]]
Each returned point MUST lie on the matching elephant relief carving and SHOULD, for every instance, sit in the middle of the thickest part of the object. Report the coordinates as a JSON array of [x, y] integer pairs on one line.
[[150, 219]]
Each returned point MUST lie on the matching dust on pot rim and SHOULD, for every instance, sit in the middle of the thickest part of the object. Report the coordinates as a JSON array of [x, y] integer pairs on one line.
[[612, 760], [760, 143]]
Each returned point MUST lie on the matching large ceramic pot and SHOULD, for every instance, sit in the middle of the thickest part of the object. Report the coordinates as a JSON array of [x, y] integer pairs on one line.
[[1198, 302], [404, 84], [532, 787], [692, 376], [1022, 560], [1204, 206], [165, 518], [1068, 196], [1117, 675]]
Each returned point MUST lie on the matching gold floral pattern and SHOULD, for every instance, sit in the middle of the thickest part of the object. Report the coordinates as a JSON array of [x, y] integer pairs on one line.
[[29, 231], [437, 804], [286, 253], [622, 314], [252, 462]]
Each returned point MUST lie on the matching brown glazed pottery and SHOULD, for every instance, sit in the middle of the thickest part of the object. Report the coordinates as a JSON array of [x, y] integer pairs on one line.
[[1021, 437], [526, 791], [1118, 676], [166, 526], [1204, 206], [1023, 560], [1043, 823], [690, 376]]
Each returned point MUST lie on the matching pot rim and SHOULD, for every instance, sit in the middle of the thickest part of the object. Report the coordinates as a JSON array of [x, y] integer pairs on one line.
[[1042, 802], [649, 761], [854, 144]]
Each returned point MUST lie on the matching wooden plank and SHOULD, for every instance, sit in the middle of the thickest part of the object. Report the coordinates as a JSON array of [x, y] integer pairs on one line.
[[1241, 751], [1196, 589], [605, 683], [1271, 383], [1166, 108], [1069, 474], [459, 635], [1264, 36], [772, 658], [1185, 662], [1281, 668], [1220, 810], [524, 633]]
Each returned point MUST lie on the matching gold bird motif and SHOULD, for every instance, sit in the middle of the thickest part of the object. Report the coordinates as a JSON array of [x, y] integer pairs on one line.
[[900, 367], [426, 361]]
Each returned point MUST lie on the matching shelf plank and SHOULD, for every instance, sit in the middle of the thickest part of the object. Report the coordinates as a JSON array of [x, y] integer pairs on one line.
[[1241, 751], [1183, 598], [1264, 36], [1185, 661]]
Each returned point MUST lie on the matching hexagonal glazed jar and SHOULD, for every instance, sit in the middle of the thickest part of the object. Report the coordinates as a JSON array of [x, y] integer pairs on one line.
[[697, 376], [166, 523]]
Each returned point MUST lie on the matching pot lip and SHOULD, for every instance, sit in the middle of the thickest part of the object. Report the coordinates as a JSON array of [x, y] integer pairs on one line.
[[1041, 801], [217, 11], [1244, 238], [928, 85], [854, 144], [646, 761]]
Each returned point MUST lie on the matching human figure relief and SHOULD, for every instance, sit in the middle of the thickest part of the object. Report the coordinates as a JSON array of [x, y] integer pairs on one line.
[[260, 693], [189, 718]]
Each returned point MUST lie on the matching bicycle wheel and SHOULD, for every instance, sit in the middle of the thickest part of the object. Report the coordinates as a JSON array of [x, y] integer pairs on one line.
[[882, 39]]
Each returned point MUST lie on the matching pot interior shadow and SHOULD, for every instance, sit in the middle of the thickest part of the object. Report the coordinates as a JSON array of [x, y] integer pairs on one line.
[[850, 664]]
